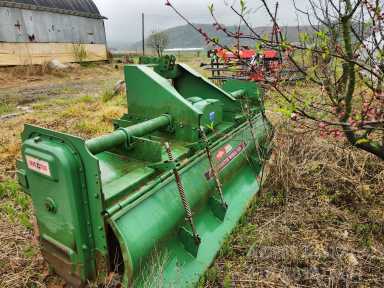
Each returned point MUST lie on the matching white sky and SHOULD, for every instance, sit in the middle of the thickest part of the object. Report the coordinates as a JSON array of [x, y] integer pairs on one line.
[[124, 16]]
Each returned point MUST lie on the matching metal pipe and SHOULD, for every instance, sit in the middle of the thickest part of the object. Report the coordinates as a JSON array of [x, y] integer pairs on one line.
[[143, 194], [124, 135]]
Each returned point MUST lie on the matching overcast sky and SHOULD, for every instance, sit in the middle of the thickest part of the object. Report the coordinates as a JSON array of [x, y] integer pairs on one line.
[[124, 16]]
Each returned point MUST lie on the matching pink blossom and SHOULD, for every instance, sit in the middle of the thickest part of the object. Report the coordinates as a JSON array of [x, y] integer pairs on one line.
[[322, 125]]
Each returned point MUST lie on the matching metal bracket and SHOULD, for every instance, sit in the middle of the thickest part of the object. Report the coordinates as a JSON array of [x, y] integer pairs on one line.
[[188, 240], [197, 146], [164, 166], [145, 149], [217, 207]]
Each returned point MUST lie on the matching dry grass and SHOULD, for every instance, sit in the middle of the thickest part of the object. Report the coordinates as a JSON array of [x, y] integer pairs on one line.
[[29, 73], [39, 74], [21, 264], [83, 116]]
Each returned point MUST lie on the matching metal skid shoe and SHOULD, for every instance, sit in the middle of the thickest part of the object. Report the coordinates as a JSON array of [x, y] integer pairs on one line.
[[170, 182]]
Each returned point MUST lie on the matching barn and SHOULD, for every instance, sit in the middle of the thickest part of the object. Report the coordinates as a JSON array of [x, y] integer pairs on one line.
[[37, 31]]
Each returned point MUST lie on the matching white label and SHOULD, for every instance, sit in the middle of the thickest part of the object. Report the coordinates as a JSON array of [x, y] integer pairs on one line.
[[38, 165], [228, 148]]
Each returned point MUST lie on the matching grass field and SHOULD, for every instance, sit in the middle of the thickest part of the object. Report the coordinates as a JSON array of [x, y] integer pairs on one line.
[[318, 222]]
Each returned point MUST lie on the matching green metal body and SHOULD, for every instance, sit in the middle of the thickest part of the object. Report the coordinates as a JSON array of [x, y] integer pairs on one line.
[[112, 203]]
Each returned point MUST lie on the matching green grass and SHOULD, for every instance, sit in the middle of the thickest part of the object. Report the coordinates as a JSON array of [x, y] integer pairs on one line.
[[40, 106], [87, 99], [30, 252], [64, 101], [88, 65], [64, 90], [14, 203], [8, 189], [368, 232], [87, 127], [7, 108], [107, 95]]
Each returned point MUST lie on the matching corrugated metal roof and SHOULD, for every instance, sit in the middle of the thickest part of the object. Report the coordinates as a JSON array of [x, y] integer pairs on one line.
[[85, 8]]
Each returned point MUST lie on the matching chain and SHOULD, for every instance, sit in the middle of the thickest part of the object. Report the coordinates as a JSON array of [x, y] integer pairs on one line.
[[248, 113]]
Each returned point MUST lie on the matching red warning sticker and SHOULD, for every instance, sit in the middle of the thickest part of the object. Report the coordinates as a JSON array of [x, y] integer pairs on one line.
[[223, 151], [232, 154], [37, 165]]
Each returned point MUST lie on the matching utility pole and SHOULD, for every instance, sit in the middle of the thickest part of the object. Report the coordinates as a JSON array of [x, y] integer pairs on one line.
[[143, 32]]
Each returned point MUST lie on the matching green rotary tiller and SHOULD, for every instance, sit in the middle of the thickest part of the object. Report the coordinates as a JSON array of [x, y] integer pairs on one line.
[[154, 200]]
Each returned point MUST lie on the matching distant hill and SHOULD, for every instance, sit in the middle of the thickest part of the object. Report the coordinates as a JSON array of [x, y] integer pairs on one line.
[[119, 45], [186, 37]]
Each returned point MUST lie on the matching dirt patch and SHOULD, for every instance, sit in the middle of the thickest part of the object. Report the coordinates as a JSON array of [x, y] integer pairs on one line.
[[17, 90]]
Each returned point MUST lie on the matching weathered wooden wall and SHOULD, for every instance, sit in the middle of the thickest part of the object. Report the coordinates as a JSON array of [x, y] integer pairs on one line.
[[40, 53], [25, 26]]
